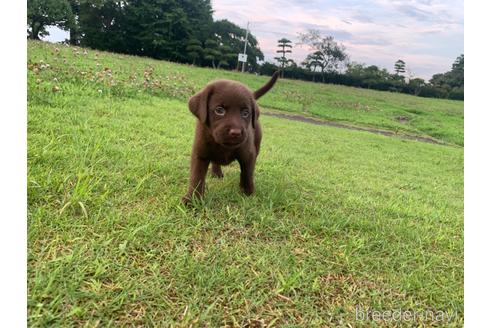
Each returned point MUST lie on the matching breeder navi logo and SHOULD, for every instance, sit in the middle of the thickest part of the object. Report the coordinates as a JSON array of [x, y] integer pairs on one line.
[[366, 314]]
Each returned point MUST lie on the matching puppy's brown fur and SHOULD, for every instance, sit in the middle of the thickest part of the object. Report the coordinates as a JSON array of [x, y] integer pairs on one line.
[[227, 129]]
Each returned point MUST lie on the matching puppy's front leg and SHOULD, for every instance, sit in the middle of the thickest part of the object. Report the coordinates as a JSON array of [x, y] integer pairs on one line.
[[199, 169], [247, 171]]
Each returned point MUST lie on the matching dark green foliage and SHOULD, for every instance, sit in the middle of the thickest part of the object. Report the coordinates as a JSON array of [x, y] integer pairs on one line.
[[211, 52], [312, 62], [373, 77], [43, 13], [159, 29], [227, 56], [399, 66], [448, 85], [452, 80], [182, 31], [199, 16], [194, 50], [267, 68], [100, 25], [282, 45], [417, 85], [73, 26], [457, 93]]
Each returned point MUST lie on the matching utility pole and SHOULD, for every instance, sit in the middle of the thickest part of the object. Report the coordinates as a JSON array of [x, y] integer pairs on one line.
[[245, 44]]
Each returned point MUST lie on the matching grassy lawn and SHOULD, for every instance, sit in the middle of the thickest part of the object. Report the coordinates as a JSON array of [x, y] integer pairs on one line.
[[122, 75], [340, 220]]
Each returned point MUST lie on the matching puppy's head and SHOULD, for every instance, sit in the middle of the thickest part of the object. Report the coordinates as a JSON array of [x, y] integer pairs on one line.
[[228, 109]]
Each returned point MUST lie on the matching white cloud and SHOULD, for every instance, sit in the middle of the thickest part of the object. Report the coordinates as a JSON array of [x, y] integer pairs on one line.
[[427, 34]]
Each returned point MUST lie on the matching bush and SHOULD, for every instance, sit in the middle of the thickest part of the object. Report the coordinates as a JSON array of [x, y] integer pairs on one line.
[[433, 92], [457, 94], [370, 78]]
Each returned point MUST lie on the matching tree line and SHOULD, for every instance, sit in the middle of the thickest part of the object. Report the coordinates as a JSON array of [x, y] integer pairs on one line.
[[449, 85], [328, 62], [176, 30], [184, 31]]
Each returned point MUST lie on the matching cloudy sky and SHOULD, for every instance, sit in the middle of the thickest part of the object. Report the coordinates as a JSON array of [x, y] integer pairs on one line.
[[426, 34]]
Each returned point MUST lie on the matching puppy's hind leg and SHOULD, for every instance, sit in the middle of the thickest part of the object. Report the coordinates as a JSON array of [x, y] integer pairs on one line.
[[216, 171]]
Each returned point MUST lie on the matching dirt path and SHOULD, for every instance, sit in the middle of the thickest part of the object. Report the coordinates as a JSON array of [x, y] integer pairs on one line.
[[310, 120]]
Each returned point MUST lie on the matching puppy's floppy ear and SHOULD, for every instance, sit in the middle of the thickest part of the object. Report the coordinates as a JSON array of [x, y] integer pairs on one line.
[[255, 114], [198, 104]]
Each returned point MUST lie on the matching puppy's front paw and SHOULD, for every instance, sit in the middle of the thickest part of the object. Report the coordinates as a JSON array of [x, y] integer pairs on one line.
[[186, 200]]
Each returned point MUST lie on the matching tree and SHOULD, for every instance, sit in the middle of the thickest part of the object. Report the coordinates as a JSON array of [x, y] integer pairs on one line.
[[438, 80], [211, 51], [44, 13], [372, 77], [416, 85], [226, 56], [199, 15], [103, 24], [331, 54], [228, 33], [283, 61], [174, 30], [451, 83], [399, 67], [73, 23], [194, 50], [268, 68], [313, 61], [457, 74], [160, 29], [454, 78], [459, 63]]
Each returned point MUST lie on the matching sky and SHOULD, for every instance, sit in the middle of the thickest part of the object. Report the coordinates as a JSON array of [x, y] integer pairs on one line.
[[427, 34]]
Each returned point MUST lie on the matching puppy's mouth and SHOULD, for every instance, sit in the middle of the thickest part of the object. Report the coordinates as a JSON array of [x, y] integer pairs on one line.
[[232, 144]]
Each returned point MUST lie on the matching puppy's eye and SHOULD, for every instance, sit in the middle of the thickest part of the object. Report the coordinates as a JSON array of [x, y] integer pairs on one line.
[[220, 111], [245, 113]]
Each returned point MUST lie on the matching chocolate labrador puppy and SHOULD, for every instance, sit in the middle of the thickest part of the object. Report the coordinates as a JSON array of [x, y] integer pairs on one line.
[[227, 129]]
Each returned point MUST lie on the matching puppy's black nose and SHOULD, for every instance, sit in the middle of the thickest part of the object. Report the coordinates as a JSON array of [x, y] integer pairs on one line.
[[234, 133]]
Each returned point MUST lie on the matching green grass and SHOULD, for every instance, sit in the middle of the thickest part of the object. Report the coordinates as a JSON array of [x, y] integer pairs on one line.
[[340, 218], [113, 74]]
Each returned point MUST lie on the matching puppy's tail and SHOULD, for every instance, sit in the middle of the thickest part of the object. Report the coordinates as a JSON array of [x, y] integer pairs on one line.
[[264, 89]]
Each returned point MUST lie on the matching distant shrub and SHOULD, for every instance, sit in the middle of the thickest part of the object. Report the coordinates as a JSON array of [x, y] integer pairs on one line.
[[457, 94], [433, 92]]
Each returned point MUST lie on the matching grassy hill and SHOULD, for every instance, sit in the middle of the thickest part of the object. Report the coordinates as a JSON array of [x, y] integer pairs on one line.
[[341, 220], [113, 75]]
